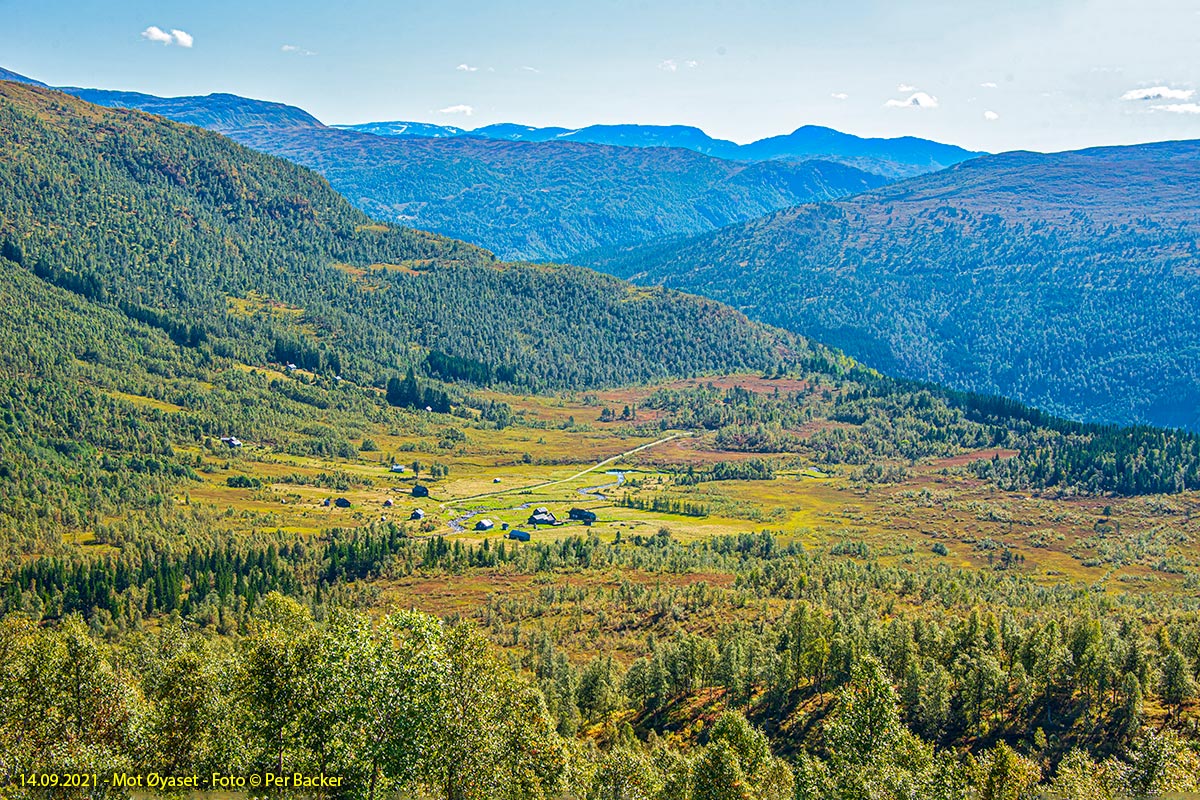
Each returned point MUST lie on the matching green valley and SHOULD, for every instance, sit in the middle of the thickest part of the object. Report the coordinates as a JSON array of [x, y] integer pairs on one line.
[[263, 462]]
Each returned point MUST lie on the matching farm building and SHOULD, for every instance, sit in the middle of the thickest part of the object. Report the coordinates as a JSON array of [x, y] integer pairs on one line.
[[399, 468], [495, 480], [583, 515], [518, 535], [231, 441], [388, 503], [342, 502], [417, 514], [420, 491], [542, 516], [484, 525], [325, 502]]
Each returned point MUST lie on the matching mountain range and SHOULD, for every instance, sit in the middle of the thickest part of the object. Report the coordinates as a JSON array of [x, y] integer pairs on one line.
[[1065, 280], [893, 158], [533, 193]]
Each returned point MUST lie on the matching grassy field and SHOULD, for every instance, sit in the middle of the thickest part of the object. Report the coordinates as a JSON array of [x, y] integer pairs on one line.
[[501, 475]]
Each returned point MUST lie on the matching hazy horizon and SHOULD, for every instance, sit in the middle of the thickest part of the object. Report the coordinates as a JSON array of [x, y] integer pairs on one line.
[[1044, 76]]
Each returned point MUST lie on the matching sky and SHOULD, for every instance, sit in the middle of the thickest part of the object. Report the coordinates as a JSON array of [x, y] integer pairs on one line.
[[1001, 75]]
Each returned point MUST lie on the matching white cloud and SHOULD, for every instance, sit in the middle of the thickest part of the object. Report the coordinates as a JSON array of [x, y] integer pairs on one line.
[[176, 36], [915, 100], [840, 96], [988, 84], [1158, 93], [531, 69], [691, 63], [991, 116], [157, 34], [904, 87], [458, 109], [669, 65], [466, 68], [300, 51], [1179, 108]]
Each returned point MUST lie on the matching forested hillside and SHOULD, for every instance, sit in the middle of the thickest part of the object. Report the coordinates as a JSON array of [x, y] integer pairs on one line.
[[246, 255], [1066, 280], [548, 200]]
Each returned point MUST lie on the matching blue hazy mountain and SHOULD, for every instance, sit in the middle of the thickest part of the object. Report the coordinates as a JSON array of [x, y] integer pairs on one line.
[[893, 158], [219, 112]]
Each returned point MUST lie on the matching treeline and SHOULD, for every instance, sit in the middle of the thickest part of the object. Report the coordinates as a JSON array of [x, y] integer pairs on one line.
[[139, 583], [664, 504], [752, 469], [884, 418], [453, 368], [409, 393]]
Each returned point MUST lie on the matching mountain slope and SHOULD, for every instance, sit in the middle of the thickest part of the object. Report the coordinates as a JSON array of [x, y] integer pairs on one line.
[[219, 112], [893, 158], [9, 75], [248, 255], [1064, 280], [549, 200], [553, 199]]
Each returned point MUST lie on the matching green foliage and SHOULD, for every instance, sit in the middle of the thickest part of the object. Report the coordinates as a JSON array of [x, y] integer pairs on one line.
[[211, 214], [995, 276]]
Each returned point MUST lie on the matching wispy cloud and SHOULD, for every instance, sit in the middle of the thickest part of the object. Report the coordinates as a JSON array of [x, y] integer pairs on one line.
[[300, 51], [466, 68], [915, 100], [840, 96], [1158, 93], [465, 110], [904, 87], [1179, 108], [988, 84], [673, 64], [531, 69], [991, 116], [174, 36]]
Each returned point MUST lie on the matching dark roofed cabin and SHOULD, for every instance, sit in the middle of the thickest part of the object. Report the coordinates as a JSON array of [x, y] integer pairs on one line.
[[583, 515], [342, 502], [518, 535], [420, 491]]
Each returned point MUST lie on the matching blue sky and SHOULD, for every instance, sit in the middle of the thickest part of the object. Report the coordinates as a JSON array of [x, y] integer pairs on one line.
[[1048, 75]]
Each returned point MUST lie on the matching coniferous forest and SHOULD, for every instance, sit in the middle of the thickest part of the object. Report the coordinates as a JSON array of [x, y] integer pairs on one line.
[[263, 462]]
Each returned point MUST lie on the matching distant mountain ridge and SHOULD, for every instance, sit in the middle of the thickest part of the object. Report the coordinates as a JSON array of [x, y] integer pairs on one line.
[[550, 200], [521, 199], [219, 112], [1066, 280], [894, 158]]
